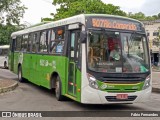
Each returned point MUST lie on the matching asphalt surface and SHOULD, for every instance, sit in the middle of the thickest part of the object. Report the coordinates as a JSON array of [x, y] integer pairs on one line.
[[29, 97]]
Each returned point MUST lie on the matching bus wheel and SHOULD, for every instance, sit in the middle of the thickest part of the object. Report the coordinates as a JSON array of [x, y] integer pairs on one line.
[[58, 89], [20, 78]]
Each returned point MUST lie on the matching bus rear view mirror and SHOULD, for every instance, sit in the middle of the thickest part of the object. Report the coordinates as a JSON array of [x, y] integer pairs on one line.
[[83, 37]]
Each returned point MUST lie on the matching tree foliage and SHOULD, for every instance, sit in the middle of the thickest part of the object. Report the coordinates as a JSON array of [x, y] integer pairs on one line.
[[141, 16], [5, 33], [138, 16], [70, 8], [58, 2], [11, 11]]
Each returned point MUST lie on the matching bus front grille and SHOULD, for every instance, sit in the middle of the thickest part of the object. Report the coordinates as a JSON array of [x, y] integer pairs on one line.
[[122, 80], [114, 99], [120, 91]]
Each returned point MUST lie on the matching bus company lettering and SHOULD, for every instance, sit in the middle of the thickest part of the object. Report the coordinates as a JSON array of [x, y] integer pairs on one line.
[[109, 24], [46, 63]]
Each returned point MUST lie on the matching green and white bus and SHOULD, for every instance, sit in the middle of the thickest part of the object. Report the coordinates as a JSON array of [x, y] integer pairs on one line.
[[90, 58]]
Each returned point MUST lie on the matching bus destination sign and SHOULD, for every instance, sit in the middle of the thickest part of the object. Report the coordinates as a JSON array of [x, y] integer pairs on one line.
[[114, 24]]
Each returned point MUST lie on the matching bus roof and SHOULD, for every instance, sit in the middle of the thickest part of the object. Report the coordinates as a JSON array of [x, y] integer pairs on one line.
[[112, 16], [4, 46], [71, 20]]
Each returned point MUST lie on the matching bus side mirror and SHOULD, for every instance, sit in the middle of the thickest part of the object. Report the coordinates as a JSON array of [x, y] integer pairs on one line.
[[83, 37]]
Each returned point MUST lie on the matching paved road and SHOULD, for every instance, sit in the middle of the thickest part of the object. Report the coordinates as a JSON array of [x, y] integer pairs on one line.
[[29, 97]]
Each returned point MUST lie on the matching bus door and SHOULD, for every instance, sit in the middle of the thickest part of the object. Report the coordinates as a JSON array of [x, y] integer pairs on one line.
[[11, 55], [73, 62]]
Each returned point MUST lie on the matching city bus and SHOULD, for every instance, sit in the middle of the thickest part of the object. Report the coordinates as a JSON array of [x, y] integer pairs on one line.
[[89, 58], [4, 49]]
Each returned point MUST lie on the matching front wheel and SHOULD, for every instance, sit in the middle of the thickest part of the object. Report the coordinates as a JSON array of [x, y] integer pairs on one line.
[[58, 89], [20, 78]]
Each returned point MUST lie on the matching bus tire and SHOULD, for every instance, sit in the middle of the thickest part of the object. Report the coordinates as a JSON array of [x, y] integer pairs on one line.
[[58, 89], [20, 78]]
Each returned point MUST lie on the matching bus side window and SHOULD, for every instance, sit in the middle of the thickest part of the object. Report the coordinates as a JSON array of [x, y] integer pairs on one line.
[[13, 45], [57, 41], [24, 43], [18, 43], [34, 45], [48, 37], [43, 42], [29, 43], [52, 41]]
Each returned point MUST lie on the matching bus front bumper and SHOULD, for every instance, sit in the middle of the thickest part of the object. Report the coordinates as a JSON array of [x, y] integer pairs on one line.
[[93, 96]]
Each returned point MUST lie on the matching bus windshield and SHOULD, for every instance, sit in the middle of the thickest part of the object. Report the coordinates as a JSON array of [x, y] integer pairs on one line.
[[112, 51]]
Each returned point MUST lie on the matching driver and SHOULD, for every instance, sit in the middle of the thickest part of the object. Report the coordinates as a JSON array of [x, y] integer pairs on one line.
[[114, 54]]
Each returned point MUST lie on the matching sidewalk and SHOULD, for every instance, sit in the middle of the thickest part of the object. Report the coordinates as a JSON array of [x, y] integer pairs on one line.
[[7, 85], [155, 69], [156, 82]]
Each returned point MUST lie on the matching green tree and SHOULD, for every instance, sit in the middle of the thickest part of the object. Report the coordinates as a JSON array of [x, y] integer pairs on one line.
[[155, 17], [158, 15], [11, 11], [138, 16], [141, 16], [5, 33], [60, 2], [149, 18], [70, 8], [46, 19]]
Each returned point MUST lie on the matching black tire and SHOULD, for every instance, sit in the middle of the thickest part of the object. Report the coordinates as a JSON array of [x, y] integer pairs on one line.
[[58, 90], [20, 78]]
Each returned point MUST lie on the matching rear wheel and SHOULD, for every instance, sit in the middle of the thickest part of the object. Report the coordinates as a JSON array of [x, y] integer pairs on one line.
[[20, 78], [58, 90]]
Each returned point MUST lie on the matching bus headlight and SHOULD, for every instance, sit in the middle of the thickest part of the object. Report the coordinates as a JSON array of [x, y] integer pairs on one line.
[[147, 82], [92, 81]]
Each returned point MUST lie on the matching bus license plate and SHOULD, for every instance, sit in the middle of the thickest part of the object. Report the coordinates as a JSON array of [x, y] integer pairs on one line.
[[122, 96]]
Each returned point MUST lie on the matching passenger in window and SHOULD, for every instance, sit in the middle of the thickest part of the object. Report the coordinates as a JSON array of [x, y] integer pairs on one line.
[[115, 53]]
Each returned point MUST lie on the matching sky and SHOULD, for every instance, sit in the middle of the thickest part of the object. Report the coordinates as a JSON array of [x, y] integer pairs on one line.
[[38, 9]]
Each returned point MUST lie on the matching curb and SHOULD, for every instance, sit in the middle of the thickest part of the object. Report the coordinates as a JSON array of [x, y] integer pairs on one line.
[[155, 70], [9, 88], [156, 90]]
